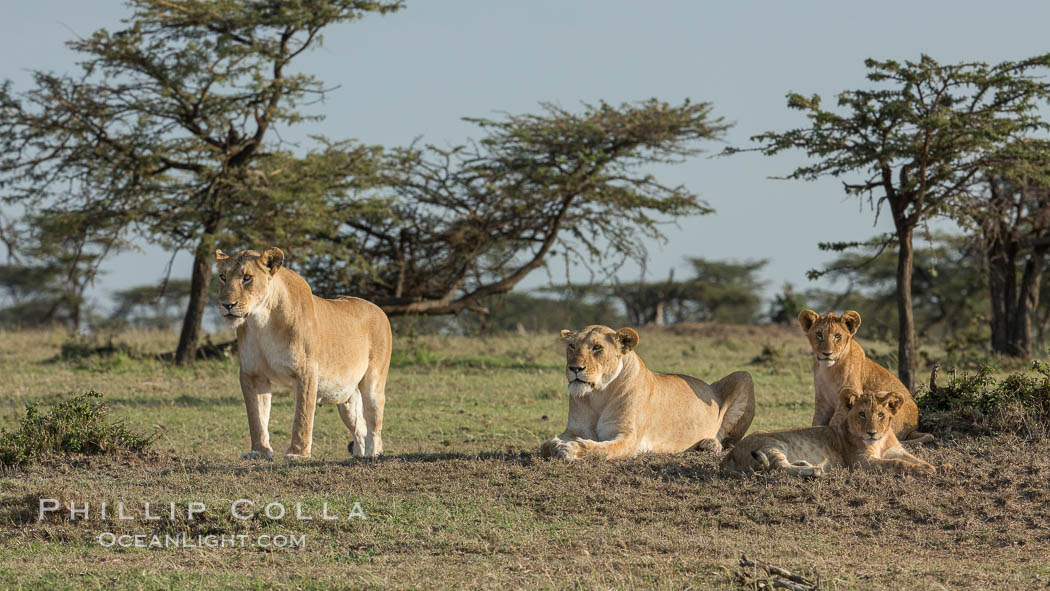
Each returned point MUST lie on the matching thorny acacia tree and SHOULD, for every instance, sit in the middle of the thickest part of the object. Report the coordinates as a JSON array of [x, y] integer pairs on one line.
[[1012, 214], [922, 139], [452, 227], [170, 125]]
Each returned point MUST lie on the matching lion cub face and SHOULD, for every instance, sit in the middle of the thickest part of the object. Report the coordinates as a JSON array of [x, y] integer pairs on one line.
[[594, 356], [870, 414], [829, 335], [244, 281]]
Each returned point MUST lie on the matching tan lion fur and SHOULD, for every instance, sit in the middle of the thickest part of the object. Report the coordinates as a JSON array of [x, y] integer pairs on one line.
[[328, 351], [618, 408], [864, 439], [840, 363]]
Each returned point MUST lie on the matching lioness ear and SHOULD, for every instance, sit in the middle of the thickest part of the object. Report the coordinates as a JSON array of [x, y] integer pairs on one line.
[[272, 258], [849, 397], [221, 256], [806, 318], [894, 402], [566, 334], [628, 339], [852, 320]]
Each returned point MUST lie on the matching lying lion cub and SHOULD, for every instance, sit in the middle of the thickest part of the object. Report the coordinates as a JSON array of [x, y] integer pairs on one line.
[[328, 351], [840, 362], [864, 439], [618, 408]]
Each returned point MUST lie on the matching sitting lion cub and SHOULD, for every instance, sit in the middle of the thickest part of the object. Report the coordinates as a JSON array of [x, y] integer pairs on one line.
[[839, 362], [618, 408], [864, 439], [328, 351]]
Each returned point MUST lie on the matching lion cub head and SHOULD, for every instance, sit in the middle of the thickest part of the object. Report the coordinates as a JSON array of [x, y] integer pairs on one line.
[[594, 356], [244, 281], [870, 414], [829, 335]]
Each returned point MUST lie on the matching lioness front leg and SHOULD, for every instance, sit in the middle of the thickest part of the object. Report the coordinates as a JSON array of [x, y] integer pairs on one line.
[[558, 446], [256, 391], [623, 445], [898, 459], [776, 460], [305, 394]]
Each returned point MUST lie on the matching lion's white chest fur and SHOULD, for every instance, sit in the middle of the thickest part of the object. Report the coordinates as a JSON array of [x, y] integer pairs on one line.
[[260, 348], [260, 355], [826, 384]]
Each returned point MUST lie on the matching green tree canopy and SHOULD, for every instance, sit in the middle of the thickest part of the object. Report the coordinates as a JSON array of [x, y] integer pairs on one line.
[[168, 129], [447, 228], [918, 141]]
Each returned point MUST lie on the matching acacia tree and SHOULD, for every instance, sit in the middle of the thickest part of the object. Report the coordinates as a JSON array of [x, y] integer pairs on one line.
[[451, 227], [920, 141], [169, 128], [1013, 217], [54, 257]]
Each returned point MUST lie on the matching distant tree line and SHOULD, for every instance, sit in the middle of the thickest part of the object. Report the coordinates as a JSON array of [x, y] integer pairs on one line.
[[168, 134]]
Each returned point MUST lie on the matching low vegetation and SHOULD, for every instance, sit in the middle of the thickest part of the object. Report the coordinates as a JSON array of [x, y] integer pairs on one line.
[[75, 426], [1017, 404], [462, 500]]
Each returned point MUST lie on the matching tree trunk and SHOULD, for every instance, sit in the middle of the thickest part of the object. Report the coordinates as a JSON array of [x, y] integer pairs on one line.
[[906, 332], [1020, 344], [1000, 273], [191, 323]]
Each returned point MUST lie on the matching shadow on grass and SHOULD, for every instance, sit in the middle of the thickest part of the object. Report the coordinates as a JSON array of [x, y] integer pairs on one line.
[[242, 466], [183, 401]]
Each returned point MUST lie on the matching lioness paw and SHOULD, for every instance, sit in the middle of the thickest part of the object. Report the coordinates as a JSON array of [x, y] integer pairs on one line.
[[266, 454], [547, 450], [709, 445], [290, 457], [566, 450]]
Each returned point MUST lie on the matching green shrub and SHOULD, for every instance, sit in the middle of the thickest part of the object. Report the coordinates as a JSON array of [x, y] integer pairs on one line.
[[75, 426], [981, 403]]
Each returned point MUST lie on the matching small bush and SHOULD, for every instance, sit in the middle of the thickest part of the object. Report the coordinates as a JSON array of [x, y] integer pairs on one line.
[[79, 349], [980, 403], [771, 355], [74, 426]]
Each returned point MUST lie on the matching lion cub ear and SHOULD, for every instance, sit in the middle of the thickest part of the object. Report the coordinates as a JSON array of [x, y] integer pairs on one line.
[[567, 334], [893, 402], [852, 321], [806, 318], [220, 255], [849, 397], [628, 339], [272, 258]]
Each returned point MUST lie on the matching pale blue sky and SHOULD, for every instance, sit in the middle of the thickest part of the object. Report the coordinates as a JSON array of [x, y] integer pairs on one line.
[[416, 72]]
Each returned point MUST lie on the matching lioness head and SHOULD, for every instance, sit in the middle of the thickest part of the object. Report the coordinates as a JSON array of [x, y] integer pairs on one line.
[[244, 281], [870, 414], [594, 356], [829, 335]]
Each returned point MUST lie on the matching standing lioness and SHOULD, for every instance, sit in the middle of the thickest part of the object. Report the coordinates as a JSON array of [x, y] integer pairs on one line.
[[618, 408], [327, 351]]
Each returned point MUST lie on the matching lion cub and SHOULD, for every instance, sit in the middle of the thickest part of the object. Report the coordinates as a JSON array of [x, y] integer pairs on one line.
[[618, 408], [840, 362], [864, 439]]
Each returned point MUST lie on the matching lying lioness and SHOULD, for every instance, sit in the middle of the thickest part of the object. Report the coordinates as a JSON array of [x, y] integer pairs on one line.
[[328, 351], [618, 408], [864, 439]]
